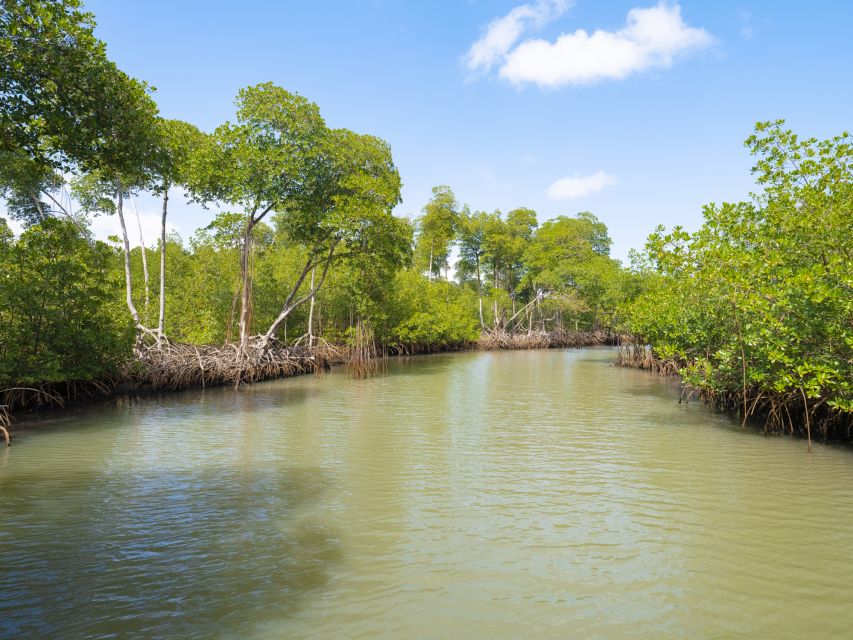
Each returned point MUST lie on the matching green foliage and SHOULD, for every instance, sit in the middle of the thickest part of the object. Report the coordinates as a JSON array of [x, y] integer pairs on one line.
[[505, 242], [59, 314], [65, 104], [437, 228], [472, 236], [570, 258], [95, 193], [180, 144], [331, 193], [304, 204], [509, 261], [431, 315], [265, 160], [24, 185], [762, 295]]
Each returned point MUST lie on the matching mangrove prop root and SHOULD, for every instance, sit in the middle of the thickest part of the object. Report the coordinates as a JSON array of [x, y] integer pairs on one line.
[[5, 423], [179, 366], [364, 358], [786, 412], [500, 339]]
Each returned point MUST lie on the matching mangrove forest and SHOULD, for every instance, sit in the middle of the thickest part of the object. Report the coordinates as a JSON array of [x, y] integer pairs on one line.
[[303, 251], [347, 330]]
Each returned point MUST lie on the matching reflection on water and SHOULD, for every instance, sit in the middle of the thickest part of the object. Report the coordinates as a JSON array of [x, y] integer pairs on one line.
[[491, 495]]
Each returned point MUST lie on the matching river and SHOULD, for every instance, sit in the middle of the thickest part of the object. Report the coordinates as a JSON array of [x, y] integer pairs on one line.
[[532, 494]]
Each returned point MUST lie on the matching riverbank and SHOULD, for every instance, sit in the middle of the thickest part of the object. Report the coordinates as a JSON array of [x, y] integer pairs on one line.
[[785, 412], [171, 367]]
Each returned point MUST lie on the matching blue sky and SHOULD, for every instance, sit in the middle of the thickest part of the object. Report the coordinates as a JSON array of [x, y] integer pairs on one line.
[[652, 110]]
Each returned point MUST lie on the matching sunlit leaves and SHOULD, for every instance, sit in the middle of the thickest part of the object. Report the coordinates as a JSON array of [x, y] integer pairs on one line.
[[762, 294]]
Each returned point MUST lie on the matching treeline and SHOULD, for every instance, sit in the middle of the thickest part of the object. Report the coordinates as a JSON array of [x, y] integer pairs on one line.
[[460, 273], [302, 247], [755, 309]]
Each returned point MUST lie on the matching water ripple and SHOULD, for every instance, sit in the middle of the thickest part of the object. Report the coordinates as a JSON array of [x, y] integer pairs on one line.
[[531, 494]]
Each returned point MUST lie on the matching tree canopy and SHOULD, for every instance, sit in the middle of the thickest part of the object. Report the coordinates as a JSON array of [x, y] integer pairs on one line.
[[757, 303]]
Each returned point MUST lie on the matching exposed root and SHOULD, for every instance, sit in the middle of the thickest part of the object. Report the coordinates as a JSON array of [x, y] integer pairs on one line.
[[418, 349], [364, 359], [5, 423], [180, 366], [16, 398], [640, 356], [556, 339], [786, 412]]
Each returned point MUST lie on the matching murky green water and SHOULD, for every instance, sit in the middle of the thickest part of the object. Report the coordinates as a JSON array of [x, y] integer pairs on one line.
[[537, 494]]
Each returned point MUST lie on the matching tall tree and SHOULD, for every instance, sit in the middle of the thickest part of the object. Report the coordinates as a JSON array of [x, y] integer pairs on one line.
[[437, 228], [270, 160], [66, 106], [348, 217], [331, 191], [568, 258], [472, 234]]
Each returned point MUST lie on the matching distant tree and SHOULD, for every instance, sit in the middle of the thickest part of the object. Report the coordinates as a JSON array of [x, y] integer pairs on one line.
[[504, 243], [437, 227], [521, 225], [568, 258], [595, 232], [472, 236]]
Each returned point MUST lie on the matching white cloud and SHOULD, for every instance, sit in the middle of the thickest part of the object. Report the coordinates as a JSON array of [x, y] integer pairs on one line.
[[651, 38], [577, 186], [502, 33]]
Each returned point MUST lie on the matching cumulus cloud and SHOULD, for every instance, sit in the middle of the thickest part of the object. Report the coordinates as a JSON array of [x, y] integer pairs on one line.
[[577, 186], [502, 33], [652, 37]]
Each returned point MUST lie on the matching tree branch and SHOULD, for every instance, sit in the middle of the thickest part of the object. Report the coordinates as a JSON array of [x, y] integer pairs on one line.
[[256, 220], [292, 302]]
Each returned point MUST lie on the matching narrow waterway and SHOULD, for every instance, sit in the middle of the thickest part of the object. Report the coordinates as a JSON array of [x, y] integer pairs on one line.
[[536, 494]]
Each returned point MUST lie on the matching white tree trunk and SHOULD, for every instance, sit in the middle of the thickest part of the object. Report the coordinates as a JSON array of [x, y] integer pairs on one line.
[[311, 312], [127, 274], [161, 323], [292, 302], [144, 256], [480, 294], [246, 293]]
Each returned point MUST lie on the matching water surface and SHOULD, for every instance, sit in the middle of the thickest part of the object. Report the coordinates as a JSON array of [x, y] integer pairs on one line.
[[538, 494]]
